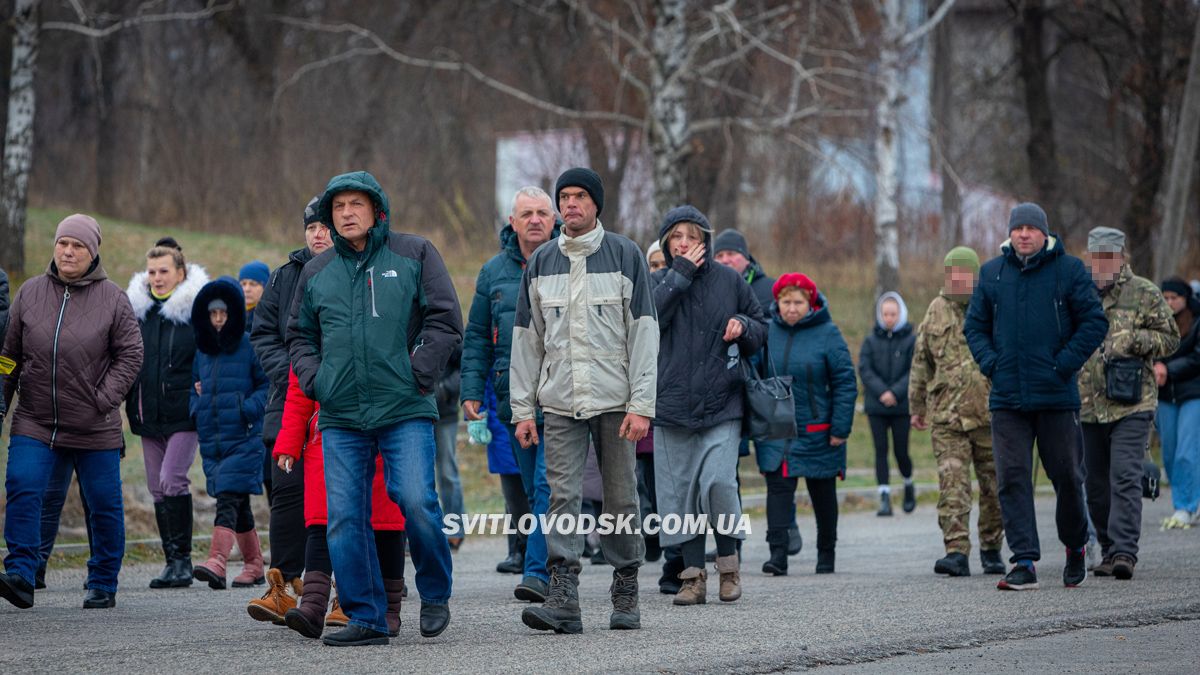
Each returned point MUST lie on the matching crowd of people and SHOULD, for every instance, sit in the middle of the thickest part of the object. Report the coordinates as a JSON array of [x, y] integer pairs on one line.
[[602, 378]]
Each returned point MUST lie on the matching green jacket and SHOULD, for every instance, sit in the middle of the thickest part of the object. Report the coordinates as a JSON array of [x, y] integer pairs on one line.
[[945, 384], [371, 332], [1140, 324]]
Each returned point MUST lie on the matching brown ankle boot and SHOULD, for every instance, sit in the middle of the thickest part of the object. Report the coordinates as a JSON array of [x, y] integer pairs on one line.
[[395, 589], [336, 617], [252, 560], [731, 578], [275, 602], [695, 587], [308, 617]]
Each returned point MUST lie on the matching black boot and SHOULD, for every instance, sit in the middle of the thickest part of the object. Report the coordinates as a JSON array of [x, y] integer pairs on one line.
[[166, 532], [561, 612], [910, 497], [180, 510], [992, 564], [825, 561], [777, 539], [653, 549], [669, 583], [39, 578], [954, 564], [795, 541], [885, 504]]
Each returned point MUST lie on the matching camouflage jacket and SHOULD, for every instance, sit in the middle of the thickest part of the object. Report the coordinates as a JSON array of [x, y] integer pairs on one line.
[[945, 384], [1140, 325]]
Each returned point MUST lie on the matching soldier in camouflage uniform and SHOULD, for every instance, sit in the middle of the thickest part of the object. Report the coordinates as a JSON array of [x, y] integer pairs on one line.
[[947, 391], [1115, 432]]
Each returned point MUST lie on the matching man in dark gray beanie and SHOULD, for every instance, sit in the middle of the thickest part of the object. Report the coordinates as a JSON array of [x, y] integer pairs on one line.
[[585, 178], [1033, 321], [286, 494]]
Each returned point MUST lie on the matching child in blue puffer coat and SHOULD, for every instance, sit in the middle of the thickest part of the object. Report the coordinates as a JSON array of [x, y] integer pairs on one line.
[[227, 403]]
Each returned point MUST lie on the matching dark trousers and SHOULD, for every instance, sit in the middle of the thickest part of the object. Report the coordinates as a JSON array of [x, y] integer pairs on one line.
[[898, 426], [286, 526], [1113, 455], [781, 505], [516, 502], [389, 546], [1059, 444], [233, 512]]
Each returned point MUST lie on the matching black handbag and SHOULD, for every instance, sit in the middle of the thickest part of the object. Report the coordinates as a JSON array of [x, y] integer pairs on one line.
[[1123, 379], [1151, 474], [770, 410]]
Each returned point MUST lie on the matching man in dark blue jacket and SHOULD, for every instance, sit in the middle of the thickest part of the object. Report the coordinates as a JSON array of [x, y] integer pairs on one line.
[[487, 346], [1033, 321]]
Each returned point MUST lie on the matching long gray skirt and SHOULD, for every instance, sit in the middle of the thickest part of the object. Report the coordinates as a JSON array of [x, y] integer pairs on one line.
[[695, 472]]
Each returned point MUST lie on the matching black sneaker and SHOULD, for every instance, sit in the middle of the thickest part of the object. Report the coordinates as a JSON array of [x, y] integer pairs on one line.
[[1020, 578], [954, 564], [992, 564], [1075, 571]]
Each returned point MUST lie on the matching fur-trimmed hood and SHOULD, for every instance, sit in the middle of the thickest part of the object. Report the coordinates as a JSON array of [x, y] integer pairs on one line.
[[178, 308]]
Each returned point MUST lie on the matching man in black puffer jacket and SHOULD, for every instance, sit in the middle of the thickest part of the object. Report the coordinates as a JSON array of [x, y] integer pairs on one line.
[[1033, 321], [285, 490]]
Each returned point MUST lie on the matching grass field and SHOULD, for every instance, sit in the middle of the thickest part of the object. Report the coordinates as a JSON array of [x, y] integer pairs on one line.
[[849, 288]]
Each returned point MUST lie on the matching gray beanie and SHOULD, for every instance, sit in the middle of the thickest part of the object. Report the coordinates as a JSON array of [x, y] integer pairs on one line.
[[1029, 214], [1106, 240], [216, 304]]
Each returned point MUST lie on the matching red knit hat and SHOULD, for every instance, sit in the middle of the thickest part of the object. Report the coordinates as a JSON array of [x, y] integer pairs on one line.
[[800, 281]]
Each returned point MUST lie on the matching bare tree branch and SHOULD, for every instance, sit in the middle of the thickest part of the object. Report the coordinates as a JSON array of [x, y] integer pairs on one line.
[[929, 25], [209, 11]]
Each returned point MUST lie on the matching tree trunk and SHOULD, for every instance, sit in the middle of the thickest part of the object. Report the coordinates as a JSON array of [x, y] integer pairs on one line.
[[1171, 242], [1148, 170], [1043, 157], [944, 109], [18, 136], [668, 104], [887, 237]]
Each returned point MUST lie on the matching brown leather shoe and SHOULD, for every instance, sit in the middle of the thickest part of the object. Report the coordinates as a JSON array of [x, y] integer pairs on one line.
[[336, 617], [1122, 565], [1104, 569], [275, 603]]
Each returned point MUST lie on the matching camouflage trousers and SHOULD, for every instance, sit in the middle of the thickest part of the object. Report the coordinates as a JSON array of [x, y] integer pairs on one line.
[[955, 452]]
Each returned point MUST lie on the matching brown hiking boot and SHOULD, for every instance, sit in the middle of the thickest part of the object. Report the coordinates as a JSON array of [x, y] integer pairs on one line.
[[731, 578], [1122, 566], [695, 587], [1104, 569], [336, 617], [275, 603]]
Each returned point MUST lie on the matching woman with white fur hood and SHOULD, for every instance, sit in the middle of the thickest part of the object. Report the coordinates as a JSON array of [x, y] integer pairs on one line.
[[884, 364], [157, 406]]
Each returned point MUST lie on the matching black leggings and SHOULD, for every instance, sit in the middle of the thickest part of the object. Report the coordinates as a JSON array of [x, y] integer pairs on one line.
[[233, 512], [516, 502], [899, 426], [781, 505], [389, 546]]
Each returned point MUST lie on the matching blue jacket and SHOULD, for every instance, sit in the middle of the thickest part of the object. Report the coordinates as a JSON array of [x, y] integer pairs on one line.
[[824, 388], [1032, 327], [487, 343], [233, 396]]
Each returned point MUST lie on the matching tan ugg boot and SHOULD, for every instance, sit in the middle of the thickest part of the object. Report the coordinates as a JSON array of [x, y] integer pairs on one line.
[[695, 587], [731, 578]]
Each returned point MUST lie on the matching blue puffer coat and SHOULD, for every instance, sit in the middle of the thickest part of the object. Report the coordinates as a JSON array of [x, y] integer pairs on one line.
[[824, 387], [487, 343], [233, 395], [1032, 327]]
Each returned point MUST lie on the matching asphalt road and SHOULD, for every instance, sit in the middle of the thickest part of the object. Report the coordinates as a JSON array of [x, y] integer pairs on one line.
[[884, 610]]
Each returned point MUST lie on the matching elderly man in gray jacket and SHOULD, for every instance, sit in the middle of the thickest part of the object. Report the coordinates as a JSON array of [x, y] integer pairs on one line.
[[585, 350]]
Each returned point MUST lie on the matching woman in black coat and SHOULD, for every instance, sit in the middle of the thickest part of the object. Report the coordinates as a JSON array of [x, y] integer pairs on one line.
[[884, 363]]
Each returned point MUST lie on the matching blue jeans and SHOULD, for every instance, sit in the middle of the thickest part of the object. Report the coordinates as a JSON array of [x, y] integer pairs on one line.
[[52, 504], [1179, 428], [408, 451], [532, 462], [30, 466], [448, 483]]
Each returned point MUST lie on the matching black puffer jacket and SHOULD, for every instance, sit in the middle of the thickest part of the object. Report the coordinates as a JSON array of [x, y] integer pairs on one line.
[[885, 360], [157, 405], [269, 333], [1183, 367], [699, 385]]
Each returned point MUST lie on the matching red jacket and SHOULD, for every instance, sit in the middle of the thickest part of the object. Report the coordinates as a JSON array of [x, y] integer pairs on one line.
[[300, 436]]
